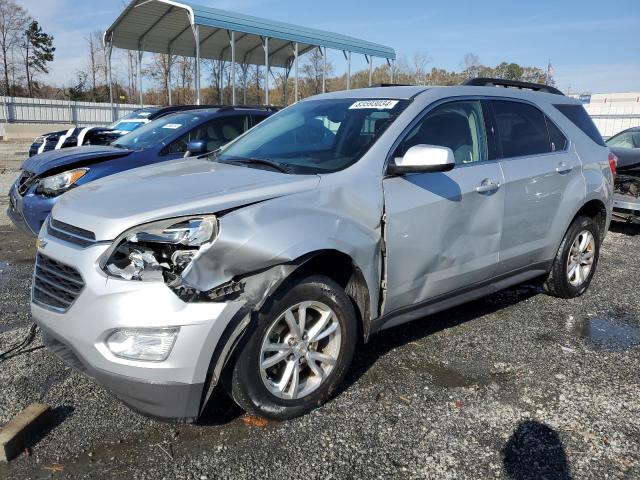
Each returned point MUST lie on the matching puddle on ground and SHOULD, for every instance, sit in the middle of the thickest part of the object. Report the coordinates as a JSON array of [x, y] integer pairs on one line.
[[448, 377], [609, 331]]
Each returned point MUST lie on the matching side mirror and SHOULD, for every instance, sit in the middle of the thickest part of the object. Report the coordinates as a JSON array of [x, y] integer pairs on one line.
[[423, 159], [196, 147]]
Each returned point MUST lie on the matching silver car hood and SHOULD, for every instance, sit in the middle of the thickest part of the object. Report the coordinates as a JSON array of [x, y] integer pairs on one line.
[[111, 205]]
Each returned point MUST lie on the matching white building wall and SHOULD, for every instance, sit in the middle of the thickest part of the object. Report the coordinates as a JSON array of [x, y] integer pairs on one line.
[[613, 112]]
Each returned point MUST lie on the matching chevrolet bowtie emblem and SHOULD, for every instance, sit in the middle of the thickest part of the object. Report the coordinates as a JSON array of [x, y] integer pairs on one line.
[[41, 243]]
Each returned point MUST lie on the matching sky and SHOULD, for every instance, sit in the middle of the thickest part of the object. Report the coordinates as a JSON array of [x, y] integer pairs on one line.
[[592, 45]]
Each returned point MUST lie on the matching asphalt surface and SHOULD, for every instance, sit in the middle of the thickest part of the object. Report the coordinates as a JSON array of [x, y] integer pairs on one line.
[[518, 385]]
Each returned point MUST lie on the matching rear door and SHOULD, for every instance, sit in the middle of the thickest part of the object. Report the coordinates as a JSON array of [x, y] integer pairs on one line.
[[539, 166], [443, 229]]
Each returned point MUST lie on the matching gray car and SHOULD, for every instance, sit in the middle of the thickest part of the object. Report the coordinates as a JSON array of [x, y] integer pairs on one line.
[[261, 266]]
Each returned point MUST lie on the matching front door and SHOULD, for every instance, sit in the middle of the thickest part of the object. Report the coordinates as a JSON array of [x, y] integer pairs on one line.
[[443, 229]]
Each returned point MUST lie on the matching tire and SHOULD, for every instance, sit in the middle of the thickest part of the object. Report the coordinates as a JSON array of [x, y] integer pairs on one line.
[[564, 281], [269, 391]]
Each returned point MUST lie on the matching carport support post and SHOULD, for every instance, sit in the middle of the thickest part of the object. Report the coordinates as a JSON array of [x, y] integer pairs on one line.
[[370, 61], [391, 64], [196, 36], [266, 66], [169, 61], [295, 86], [233, 67], [347, 55], [109, 50], [324, 69], [140, 74]]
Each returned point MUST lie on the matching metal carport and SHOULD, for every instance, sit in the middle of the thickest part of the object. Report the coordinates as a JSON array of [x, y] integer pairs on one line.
[[188, 29]]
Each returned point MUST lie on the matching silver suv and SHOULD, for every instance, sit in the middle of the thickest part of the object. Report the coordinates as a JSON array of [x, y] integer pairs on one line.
[[261, 266]]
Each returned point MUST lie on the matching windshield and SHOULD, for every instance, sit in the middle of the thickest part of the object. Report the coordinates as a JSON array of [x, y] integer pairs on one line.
[[139, 114], [159, 131], [316, 136], [625, 140], [127, 125]]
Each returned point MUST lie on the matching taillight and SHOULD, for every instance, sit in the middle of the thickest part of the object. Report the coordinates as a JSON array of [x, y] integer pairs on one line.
[[613, 163]]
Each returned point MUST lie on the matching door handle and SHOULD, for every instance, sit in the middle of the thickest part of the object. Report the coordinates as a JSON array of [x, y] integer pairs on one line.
[[487, 186], [563, 168]]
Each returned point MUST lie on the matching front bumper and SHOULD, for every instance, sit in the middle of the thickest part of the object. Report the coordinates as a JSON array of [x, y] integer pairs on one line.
[[29, 212], [172, 389]]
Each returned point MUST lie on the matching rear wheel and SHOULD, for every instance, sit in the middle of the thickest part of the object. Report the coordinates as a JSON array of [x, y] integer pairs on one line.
[[299, 351], [576, 260]]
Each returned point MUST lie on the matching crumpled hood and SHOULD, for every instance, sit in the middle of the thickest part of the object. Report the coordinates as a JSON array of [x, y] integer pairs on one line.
[[72, 157], [113, 204]]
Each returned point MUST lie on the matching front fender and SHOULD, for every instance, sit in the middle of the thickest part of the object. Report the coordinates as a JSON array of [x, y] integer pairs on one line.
[[281, 230]]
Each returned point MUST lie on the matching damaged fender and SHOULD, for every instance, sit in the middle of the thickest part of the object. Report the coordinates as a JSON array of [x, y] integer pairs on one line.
[[280, 231]]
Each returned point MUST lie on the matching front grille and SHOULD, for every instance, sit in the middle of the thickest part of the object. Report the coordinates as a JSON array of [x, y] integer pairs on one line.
[[71, 234], [55, 285]]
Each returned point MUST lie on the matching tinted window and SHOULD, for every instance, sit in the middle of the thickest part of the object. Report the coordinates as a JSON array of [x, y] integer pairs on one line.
[[522, 129], [216, 133], [557, 138], [581, 119], [457, 125]]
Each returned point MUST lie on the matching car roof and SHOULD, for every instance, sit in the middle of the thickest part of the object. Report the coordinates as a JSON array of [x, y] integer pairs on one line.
[[409, 92], [213, 111]]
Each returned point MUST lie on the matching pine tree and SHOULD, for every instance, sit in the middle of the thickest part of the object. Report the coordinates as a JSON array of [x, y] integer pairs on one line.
[[39, 49]]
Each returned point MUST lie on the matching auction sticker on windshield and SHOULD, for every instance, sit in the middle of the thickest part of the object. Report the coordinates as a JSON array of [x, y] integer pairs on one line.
[[378, 104], [172, 126]]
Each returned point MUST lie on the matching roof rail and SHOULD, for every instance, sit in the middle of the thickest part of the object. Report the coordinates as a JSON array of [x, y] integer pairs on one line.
[[499, 82], [269, 108], [389, 85]]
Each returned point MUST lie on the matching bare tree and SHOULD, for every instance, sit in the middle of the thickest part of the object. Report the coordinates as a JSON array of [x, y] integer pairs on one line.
[[420, 60], [13, 22], [158, 70], [312, 70], [471, 65]]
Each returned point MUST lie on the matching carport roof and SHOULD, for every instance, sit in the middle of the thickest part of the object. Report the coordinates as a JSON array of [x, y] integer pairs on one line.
[[165, 26]]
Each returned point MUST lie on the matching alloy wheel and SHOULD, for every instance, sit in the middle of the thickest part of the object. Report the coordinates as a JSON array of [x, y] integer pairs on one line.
[[299, 350]]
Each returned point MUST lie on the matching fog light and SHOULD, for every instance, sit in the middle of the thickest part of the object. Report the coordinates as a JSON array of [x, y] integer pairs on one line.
[[149, 344]]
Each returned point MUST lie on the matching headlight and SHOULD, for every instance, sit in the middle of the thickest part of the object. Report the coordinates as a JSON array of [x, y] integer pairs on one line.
[[150, 344], [40, 139], [61, 182], [159, 250]]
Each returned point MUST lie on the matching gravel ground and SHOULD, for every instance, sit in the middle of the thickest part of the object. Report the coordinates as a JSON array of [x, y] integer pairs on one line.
[[518, 385]]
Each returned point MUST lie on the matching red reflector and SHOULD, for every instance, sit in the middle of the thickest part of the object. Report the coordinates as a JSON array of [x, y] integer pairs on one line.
[[613, 163]]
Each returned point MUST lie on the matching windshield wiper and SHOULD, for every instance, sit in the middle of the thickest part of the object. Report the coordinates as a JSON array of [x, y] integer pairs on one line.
[[261, 161]]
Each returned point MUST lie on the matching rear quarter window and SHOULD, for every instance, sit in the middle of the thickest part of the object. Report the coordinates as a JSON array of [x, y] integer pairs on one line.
[[581, 119]]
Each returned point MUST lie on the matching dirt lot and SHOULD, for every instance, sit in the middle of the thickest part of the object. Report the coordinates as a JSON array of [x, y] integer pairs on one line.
[[518, 385]]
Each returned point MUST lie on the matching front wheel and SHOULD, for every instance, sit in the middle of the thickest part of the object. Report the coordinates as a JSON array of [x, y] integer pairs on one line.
[[299, 351], [576, 260]]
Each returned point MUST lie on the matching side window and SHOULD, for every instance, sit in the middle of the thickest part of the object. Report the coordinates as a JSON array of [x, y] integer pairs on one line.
[[457, 125], [581, 119], [522, 129], [558, 140], [216, 133], [256, 119]]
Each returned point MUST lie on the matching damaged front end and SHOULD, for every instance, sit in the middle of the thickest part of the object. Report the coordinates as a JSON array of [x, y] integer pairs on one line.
[[162, 251], [628, 185]]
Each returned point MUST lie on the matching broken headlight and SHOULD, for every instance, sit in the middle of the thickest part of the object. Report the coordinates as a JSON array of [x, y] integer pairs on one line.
[[159, 250]]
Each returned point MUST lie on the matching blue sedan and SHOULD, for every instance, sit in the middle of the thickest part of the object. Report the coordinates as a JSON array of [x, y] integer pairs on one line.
[[44, 177]]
